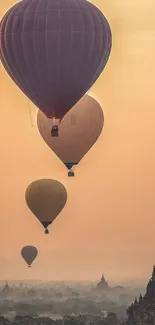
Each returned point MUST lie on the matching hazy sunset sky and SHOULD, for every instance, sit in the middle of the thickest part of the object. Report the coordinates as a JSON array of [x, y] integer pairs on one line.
[[108, 224]]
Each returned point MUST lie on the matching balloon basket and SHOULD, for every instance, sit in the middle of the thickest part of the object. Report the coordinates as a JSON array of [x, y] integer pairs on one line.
[[46, 231], [29, 265], [71, 173], [55, 131]]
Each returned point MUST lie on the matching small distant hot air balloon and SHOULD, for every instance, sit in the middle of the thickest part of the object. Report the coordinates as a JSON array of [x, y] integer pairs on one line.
[[78, 131], [46, 198], [29, 253], [54, 51]]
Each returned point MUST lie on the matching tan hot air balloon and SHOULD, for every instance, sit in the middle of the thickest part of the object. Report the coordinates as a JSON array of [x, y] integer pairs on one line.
[[29, 253], [78, 131], [46, 198]]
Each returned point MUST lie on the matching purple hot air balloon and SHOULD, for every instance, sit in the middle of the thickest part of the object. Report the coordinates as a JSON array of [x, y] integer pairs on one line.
[[54, 50]]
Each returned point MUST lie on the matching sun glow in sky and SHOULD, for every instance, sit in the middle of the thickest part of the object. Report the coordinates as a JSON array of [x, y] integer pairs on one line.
[[108, 223]]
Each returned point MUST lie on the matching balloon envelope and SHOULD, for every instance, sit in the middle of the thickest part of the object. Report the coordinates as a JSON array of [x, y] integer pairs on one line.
[[46, 198], [29, 253], [78, 131], [54, 50]]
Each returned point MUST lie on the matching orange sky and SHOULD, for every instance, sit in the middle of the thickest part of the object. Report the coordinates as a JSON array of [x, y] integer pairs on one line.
[[108, 223]]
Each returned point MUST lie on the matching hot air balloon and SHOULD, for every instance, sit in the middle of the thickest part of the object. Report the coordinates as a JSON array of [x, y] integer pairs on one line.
[[54, 50], [29, 253], [46, 198], [78, 131]]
